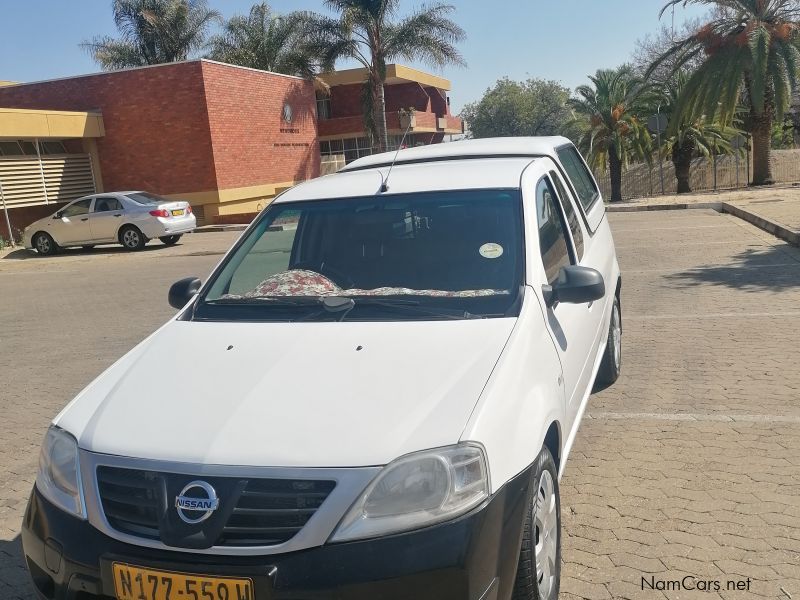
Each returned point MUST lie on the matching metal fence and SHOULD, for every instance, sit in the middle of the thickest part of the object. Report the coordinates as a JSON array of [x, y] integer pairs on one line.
[[724, 173]]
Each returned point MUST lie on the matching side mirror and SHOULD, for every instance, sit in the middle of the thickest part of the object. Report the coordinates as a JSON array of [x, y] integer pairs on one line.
[[182, 291], [575, 285], [58, 215]]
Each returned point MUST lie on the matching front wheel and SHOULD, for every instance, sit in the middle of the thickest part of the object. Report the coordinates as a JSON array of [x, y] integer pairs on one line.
[[539, 568], [131, 238], [45, 244], [611, 363], [170, 240]]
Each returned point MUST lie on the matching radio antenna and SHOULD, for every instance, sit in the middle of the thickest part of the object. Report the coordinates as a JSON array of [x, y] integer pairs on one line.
[[385, 184]]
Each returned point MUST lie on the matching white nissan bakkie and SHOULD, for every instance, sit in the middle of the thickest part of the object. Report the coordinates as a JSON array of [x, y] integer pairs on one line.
[[373, 396]]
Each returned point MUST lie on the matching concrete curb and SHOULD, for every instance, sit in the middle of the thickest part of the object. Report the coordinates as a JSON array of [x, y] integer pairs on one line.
[[771, 227], [614, 208], [223, 228], [776, 229], [219, 228]]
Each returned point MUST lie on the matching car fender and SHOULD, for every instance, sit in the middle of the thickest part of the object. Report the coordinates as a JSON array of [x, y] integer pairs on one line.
[[523, 398]]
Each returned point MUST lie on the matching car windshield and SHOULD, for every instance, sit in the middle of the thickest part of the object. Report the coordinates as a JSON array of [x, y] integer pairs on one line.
[[437, 255], [147, 199]]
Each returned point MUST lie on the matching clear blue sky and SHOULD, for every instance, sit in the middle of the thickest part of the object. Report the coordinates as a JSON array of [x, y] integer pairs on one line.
[[563, 40]]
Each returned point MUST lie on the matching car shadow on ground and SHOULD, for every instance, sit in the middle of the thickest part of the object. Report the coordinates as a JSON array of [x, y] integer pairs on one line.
[[24, 254], [774, 269], [14, 575]]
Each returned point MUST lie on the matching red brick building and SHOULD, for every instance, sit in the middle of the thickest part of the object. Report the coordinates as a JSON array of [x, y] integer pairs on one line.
[[416, 102], [226, 138]]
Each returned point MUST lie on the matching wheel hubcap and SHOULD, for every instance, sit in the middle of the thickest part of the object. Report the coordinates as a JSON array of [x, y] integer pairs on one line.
[[43, 244], [131, 238], [616, 337], [545, 523]]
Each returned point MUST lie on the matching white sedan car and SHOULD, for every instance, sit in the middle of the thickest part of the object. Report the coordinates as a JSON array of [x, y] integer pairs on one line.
[[128, 218]]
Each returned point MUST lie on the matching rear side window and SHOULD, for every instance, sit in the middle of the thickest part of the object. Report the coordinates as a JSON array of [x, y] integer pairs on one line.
[[579, 176], [572, 216], [552, 234], [107, 205]]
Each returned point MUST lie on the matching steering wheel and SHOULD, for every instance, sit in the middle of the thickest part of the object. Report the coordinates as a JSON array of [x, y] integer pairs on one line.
[[335, 276]]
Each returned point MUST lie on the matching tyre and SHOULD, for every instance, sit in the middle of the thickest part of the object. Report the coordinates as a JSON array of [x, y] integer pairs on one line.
[[131, 238], [44, 244], [539, 568], [611, 363], [170, 240]]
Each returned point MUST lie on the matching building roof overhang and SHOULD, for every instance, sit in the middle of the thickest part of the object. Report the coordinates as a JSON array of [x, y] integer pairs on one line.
[[17, 123], [394, 74]]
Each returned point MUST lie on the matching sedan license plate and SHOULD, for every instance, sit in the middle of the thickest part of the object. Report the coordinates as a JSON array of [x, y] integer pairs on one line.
[[177, 213], [137, 583]]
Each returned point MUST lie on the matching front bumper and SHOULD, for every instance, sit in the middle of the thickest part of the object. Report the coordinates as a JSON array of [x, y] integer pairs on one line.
[[471, 558]]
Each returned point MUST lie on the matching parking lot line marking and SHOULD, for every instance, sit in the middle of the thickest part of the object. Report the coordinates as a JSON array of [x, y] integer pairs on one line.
[[640, 229], [684, 317], [728, 418], [714, 266], [48, 272], [724, 243]]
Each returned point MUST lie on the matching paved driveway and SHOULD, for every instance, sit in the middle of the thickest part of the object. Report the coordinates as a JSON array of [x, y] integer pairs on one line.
[[690, 465]]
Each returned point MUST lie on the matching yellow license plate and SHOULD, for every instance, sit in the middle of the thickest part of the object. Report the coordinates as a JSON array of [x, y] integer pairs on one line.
[[177, 213], [136, 583]]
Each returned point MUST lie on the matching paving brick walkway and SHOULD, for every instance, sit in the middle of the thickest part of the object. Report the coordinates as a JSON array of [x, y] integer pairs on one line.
[[690, 465]]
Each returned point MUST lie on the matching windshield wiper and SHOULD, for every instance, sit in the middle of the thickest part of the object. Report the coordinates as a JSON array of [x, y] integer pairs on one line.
[[330, 304], [280, 301], [415, 306]]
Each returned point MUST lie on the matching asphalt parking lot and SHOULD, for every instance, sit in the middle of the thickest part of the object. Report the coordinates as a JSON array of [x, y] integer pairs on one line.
[[689, 465]]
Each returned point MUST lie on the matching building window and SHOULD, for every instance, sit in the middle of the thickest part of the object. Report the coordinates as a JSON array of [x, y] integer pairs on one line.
[[323, 108], [355, 148], [51, 147], [26, 148], [10, 149]]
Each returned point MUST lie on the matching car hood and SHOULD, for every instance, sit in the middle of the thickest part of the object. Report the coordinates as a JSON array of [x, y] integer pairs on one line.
[[289, 394]]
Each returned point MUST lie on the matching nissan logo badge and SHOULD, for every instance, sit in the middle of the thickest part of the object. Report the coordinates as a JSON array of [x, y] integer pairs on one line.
[[200, 507]]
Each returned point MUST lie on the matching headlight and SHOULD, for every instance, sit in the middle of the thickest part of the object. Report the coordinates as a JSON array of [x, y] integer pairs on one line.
[[418, 490], [59, 478]]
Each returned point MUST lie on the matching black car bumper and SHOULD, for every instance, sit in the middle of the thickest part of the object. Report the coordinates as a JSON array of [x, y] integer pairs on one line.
[[471, 558]]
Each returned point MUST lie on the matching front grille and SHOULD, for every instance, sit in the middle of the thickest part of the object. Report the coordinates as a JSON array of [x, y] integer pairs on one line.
[[265, 512], [130, 500]]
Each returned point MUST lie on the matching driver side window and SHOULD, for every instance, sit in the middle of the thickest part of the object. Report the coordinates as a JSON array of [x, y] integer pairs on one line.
[[553, 243], [78, 208]]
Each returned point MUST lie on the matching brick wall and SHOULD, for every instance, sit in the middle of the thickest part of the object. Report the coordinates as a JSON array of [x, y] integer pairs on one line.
[[157, 134], [252, 143], [346, 99]]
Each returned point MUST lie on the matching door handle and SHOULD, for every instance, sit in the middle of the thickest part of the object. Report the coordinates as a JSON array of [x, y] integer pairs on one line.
[[85, 219], [118, 215]]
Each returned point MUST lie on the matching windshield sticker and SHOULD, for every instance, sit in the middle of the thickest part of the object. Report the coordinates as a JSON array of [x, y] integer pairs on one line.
[[491, 251]]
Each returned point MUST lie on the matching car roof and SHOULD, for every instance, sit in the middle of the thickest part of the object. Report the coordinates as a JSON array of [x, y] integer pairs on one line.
[[490, 173], [465, 149]]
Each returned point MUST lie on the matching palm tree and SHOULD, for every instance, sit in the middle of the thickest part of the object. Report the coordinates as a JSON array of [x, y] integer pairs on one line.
[[700, 137], [153, 32], [266, 41], [612, 131], [366, 31], [751, 52]]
